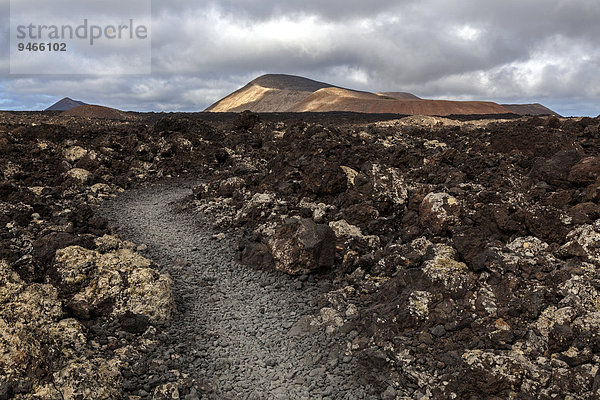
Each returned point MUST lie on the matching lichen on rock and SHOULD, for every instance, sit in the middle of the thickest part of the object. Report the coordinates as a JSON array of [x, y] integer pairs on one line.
[[114, 283], [445, 269], [418, 303], [438, 211], [79, 174]]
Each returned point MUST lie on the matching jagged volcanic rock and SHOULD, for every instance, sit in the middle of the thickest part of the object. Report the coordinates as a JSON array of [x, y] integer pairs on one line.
[[302, 246], [464, 257]]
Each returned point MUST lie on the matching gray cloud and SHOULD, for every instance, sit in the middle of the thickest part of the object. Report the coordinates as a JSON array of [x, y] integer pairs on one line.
[[525, 51], [266, 9]]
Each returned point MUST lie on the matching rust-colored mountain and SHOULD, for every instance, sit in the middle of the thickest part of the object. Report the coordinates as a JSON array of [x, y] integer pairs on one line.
[[94, 111], [288, 93], [335, 99]]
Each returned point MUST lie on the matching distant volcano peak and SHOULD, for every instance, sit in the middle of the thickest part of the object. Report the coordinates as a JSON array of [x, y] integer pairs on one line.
[[65, 104], [288, 82]]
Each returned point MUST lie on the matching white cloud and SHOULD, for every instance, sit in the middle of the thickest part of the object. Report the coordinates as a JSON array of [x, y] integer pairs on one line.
[[468, 33]]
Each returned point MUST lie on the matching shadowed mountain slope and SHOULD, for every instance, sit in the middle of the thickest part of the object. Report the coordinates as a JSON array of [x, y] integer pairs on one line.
[[65, 104], [530, 109]]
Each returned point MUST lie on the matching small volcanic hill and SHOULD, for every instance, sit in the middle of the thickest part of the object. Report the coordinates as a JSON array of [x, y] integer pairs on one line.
[[530, 109], [287, 93], [94, 111], [65, 105]]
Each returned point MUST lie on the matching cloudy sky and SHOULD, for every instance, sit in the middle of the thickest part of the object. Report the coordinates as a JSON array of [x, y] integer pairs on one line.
[[507, 51]]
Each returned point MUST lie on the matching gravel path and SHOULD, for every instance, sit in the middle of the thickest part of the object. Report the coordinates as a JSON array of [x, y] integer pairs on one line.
[[242, 331]]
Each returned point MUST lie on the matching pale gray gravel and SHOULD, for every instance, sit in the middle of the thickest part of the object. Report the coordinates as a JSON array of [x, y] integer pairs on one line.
[[237, 328]]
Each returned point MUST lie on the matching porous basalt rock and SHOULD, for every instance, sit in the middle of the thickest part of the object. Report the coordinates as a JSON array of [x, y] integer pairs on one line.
[[585, 171]]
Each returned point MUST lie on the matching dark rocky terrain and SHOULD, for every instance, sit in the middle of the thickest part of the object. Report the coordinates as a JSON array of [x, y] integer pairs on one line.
[[446, 259]]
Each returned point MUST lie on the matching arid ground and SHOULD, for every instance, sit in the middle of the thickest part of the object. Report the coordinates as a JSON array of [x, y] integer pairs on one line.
[[317, 256]]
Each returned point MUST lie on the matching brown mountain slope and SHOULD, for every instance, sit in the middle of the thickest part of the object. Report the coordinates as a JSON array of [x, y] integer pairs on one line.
[[334, 99], [530, 109], [94, 111], [288, 93]]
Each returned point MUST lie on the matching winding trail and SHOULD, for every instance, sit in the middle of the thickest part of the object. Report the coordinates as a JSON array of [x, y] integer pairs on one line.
[[242, 331]]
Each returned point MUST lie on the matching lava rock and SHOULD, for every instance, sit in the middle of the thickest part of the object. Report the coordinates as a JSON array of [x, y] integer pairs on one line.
[[324, 177], [134, 323], [438, 211], [302, 246], [255, 254], [45, 247], [585, 171], [556, 170]]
